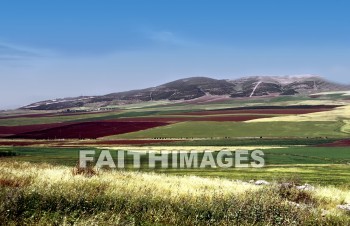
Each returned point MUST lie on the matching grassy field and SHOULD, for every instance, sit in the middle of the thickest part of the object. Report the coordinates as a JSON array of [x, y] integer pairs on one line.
[[131, 198], [337, 114], [21, 121], [241, 129], [308, 163], [42, 185], [346, 127], [249, 142]]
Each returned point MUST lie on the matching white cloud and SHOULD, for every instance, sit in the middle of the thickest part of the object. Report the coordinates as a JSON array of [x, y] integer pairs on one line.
[[10, 51]]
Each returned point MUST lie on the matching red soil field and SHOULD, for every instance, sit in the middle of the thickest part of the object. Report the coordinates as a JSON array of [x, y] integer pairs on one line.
[[20, 143], [88, 130], [76, 143], [104, 128], [339, 143]]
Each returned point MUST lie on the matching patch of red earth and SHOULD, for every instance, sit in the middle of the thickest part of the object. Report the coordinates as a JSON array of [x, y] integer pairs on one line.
[[81, 143], [21, 143], [104, 128], [97, 129], [88, 130], [339, 143]]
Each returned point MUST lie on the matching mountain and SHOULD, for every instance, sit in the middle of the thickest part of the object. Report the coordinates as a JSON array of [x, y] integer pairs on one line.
[[196, 87]]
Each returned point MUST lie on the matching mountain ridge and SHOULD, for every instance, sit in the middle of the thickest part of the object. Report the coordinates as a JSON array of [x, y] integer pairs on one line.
[[195, 87]]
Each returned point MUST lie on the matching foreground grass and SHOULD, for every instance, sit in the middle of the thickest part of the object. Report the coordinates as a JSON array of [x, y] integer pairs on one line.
[[316, 165], [33, 194]]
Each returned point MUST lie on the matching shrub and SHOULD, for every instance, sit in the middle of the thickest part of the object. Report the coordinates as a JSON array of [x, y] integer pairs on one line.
[[87, 171]]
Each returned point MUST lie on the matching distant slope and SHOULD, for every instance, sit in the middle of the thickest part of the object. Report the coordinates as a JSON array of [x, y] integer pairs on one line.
[[195, 87]]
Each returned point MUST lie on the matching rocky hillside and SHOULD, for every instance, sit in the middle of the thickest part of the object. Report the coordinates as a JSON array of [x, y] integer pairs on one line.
[[195, 87]]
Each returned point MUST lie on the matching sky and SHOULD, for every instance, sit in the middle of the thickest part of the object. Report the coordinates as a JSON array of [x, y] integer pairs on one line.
[[56, 49]]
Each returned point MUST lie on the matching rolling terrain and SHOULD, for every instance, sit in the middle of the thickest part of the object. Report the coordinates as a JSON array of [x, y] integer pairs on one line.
[[308, 114], [302, 125], [200, 87]]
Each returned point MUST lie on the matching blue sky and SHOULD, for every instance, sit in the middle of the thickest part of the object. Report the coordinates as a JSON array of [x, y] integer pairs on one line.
[[52, 49]]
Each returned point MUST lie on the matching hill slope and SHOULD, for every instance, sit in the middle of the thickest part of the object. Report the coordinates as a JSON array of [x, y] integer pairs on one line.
[[195, 87]]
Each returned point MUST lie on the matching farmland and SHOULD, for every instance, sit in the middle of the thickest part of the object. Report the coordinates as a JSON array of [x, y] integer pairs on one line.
[[174, 113], [88, 130], [225, 123], [236, 129], [304, 140]]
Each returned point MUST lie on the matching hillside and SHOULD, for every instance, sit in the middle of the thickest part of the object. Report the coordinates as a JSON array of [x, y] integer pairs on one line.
[[195, 87]]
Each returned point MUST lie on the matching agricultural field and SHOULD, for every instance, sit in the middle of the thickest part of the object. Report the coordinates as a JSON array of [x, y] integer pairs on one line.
[[305, 140], [306, 163], [241, 129], [174, 113]]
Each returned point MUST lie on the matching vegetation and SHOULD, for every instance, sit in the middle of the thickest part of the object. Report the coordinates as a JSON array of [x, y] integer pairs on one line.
[[309, 163], [241, 129], [44, 186], [22, 121], [7, 153], [335, 115], [249, 142], [132, 198]]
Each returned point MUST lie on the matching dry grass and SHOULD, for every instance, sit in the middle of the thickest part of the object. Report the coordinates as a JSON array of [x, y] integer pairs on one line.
[[346, 127], [53, 195], [337, 114]]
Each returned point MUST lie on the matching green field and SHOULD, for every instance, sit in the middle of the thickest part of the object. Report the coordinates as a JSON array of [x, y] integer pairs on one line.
[[241, 129], [326, 166], [249, 142], [21, 121], [293, 153]]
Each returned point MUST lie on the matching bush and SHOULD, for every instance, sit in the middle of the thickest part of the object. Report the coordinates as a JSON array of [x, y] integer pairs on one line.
[[87, 171], [7, 153]]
